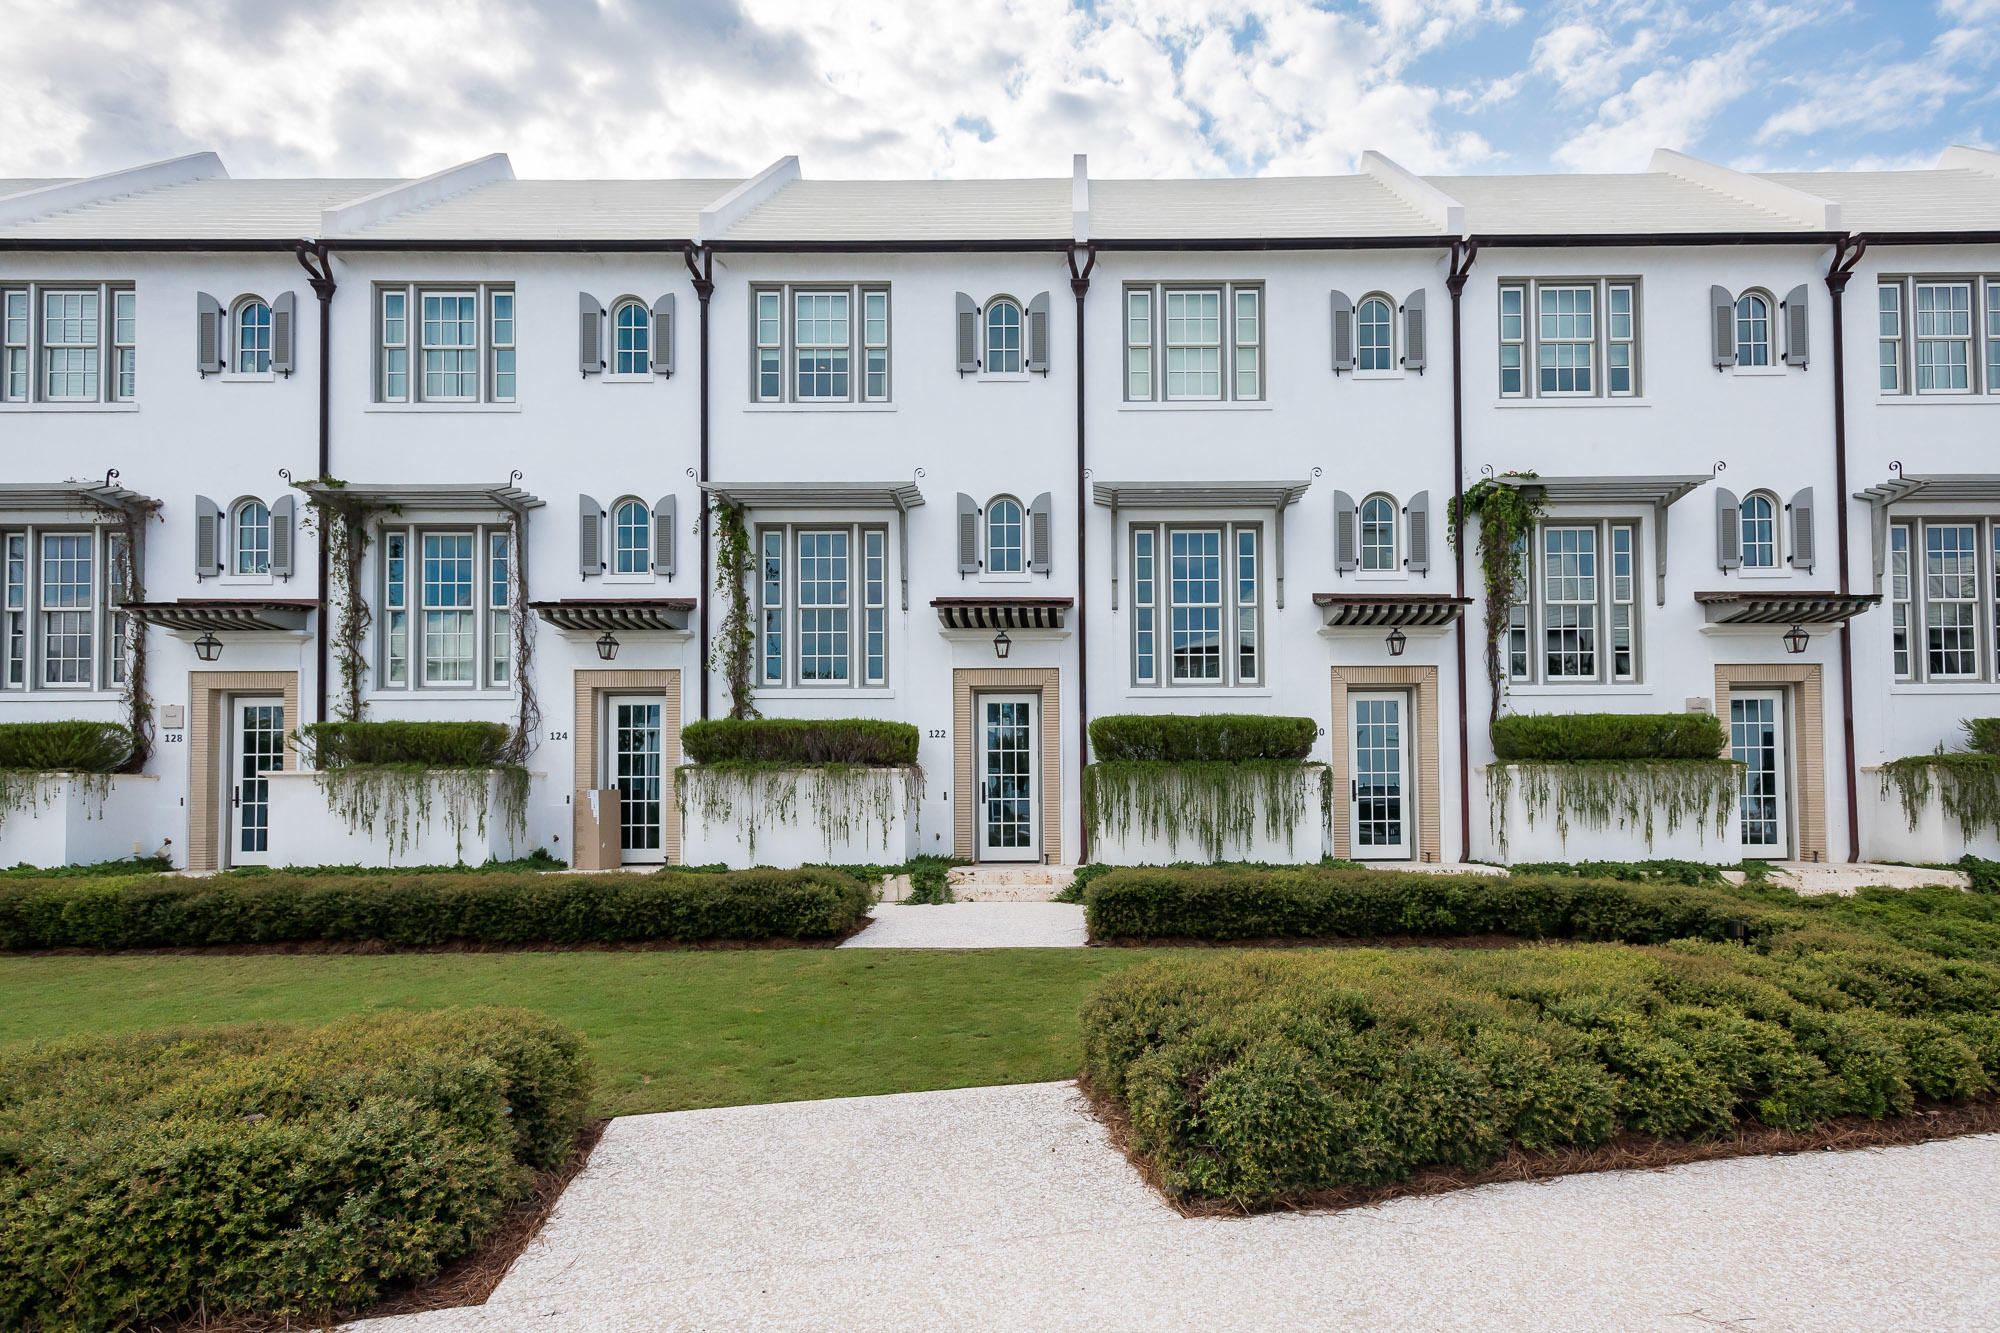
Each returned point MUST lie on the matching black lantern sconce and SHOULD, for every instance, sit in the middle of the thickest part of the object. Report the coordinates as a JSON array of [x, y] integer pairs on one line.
[[208, 647], [1796, 639], [1397, 642], [607, 645], [1002, 645]]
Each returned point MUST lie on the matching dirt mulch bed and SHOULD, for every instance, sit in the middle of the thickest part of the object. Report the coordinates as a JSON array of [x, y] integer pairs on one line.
[[1313, 942], [374, 947], [1628, 1152]]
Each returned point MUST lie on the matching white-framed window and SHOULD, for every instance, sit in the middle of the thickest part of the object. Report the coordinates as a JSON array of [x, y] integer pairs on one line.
[[446, 600], [1951, 601], [632, 338], [1889, 325], [1520, 615], [632, 537], [1197, 604], [1378, 533], [1003, 337], [1944, 337], [60, 626], [819, 332], [1901, 597], [1579, 623], [1569, 338], [1005, 536], [1944, 597], [251, 341], [1939, 334], [68, 343], [1375, 334], [499, 603], [462, 338], [1194, 342], [823, 605], [250, 538], [1753, 329], [1758, 522]]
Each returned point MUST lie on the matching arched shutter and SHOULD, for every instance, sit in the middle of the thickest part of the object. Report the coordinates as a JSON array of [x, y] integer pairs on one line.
[[589, 536], [666, 536], [1413, 331], [1038, 335], [1039, 515], [282, 510], [208, 334], [1419, 514], [284, 315], [968, 335], [1343, 333], [1728, 530], [589, 334], [207, 538], [968, 535], [1722, 330], [1803, 545], [1798, 328], [1345, 557], [663, 335]]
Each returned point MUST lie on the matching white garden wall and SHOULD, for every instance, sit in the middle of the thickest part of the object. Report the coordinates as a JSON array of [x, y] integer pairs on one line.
[[444, 828], [1157, 842], [1542, 837], [71, 821], [790, 817], [1935, 839]]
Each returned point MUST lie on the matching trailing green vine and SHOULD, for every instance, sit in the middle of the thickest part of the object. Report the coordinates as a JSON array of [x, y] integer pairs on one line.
[[1217, 806], [1967, 784], [1632, 794], [343, 520], [521, 628], [841, 799], [397, 802], [132, 590], [1507, 514], [735, 649], [29, 791]]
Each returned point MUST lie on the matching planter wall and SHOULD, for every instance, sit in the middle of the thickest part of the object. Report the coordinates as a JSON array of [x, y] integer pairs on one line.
[[1935, 839], [307, 828], [1142, 842], [71, 821], [789, 817], [1542, 839]]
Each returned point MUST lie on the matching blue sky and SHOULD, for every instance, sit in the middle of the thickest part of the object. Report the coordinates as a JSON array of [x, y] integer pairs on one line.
[[992, 87]]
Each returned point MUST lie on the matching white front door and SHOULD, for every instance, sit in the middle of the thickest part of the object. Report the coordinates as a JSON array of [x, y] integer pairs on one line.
[[256, 747], [1757, 741], [633, 761], [1380, 808], [1010, 826]]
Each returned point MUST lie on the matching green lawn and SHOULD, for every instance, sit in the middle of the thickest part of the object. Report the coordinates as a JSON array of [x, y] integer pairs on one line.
[[671, 1030]]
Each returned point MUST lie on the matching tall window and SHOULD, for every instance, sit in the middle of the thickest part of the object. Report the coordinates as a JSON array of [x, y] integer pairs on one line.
[[1378, 533], [499, 623], [1003, 536], [1513, 339], [1003, 338], [68, 343], [67, 619], [1944, 337], [1194, 343], [1759, 521], [1207, 600], [457, 635], [1900, 599], [1753, 330], [252, 538], [1569, 603], [820, 333], [59, 627], [1939, 335], [1374, 335], [632, 523], [502, 380], [1889, 321], [1943, 600], [450, 637], [1580, 580], [632, 329], [69, 346], [823, 605], [396, 608], [464, 344], [1567, 333], [451, 346], [1581, 338], [253, 338], [1951, 600]]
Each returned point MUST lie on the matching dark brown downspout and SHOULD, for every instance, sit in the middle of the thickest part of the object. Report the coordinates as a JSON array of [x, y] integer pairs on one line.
[[319, 272], [1461, 264], [1079, 285], [1846, 253], [704, 288]]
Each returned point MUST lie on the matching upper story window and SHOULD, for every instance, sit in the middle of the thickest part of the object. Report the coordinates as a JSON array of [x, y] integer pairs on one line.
[[250, 532], [1197, 604], [1194, 342], [1939, 335], [1004, 533], [821, 344], [823, 605], [446, 607], [60, 626], [444, 344], [68, 343], [1579, 623], [1758, 519], [1753, 330], [1374, 334], [252, 342], [1569, 338], [1003, 337], [1942, 625], [1378, 533], [632, 542], [632, 334]]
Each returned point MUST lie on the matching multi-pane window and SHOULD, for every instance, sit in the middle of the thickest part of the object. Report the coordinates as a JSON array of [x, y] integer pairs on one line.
[[1374, 335], [1758, 520], [70, 346], [14, 607], [1003, 536], [124, 345], [1992, 334], [1378, 533], [1003, 338], [1939, 335], [632, 537], [60, 626], [1520, 614], [818, 332], [253, 338], [1566, 340], [1579, 617], [449, 620], [1944, 337], [1569, 339], [1951, 600], [823, 605], [1194, 343], [875, 605], [1621, 340], [1753, 330], [1569, 603], [499, 623], [1889, 324], [1207, 604], [1513, 340], [1624, 602], [396, 608], [462, 338], [68, 343], [458, 632], [1900, 600], [1944, 597], [68, 614], [251, 538], [632, 339]]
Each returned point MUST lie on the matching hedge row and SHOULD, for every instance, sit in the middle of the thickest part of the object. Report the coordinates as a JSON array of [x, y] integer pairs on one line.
[[429, 744], [265, 1172], [71, 746], [800, 741], [427, 909], [1575, 737], [1200, 737]]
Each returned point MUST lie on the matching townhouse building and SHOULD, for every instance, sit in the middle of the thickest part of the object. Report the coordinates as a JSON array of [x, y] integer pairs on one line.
[[1006, 456]]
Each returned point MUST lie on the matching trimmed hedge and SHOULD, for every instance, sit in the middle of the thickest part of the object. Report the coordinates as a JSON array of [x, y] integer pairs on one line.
[[800, 741], [425, 744], [269, 1172], [1576, 737], [74, 746], [156, 912], [1200, 737]]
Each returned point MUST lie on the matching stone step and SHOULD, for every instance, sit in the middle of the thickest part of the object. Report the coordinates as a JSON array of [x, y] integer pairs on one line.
[[1004, 884]]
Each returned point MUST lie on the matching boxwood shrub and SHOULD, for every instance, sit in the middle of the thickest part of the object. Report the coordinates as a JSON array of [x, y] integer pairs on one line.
[[74, 746], [164, 911], [800, 741], [1200, 737], [267, 1172], [422, 744], [1577, 737]]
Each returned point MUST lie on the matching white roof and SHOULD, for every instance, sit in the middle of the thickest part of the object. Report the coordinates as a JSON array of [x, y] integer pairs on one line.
[[1635, 203], [1951, 199], [213, 209], [1260, 206], [561, 210], [994, 210]]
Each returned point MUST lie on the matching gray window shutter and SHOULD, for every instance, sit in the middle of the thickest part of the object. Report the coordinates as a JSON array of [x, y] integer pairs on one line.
[[589, 334], [284, 314], [281, 528], [589, 536], [1722, 334], [208, 334], [1038, 334], [968, 535], [1345, 556], [207, 538], [1413, 331], [1803, 546], [663, 335], [1343, 333], [1039, 516], [1419, 514], [666, 538], [1728, 530], [1798, 329], [968, 335]]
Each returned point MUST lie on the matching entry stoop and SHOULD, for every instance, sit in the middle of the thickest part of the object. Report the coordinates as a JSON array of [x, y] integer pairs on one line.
[[1009, 884]]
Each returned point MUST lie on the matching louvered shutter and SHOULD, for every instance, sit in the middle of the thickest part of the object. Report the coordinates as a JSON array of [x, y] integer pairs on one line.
[[207, 538], [1038, 335], [1413, 331], [666, 536], [589, 536], [1343, 333], [1040, 514], [589, 334], [281, 530], [1798, 328], [1722, 319], [1419, 514], [118, 577], [663, 335], [284, 316], [208, 334], [968, 535], [1345, 556], [968, 335], [1803, 544], [1728, 530]]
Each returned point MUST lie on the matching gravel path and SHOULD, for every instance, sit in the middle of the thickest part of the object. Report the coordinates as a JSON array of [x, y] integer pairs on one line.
[[1006, 1207], [972, 926]]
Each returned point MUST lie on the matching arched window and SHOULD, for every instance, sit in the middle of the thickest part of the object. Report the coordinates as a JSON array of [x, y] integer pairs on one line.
[[253, 338], [1003, 536], [1760, 531], [632, 325], [1753, 330], [1378, 533], [1003, 338], [633, 522], [251, 532], [1373, 323]]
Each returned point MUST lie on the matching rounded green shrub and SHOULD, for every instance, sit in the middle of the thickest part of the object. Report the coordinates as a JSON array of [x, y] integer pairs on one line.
[[72, 746], [424, 744], [800, 741], [1579, 737], [1200, 737]]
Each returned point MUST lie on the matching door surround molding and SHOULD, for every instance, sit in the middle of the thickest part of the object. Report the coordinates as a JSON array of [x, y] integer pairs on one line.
[[1041, 681], [1801, 683], [1422, 683], [590, 688], [207, 744]]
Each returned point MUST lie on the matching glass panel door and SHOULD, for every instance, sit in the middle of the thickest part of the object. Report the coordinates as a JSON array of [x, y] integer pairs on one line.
[[1757, 741], [1009, 823], [1378, 789], [635, 758], [257, 747]]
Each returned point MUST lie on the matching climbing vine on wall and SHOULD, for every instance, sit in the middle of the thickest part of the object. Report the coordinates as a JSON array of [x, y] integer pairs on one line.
[[1633, 794], [1968, 786], [396, 802], [735, 647], [1218, 807], [842, 800], [343, 520], [1507, 516], [528, 722], [131, 589]]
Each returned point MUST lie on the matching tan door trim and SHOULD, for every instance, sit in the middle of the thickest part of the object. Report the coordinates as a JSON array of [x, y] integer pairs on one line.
[[1422, 683], [1808, 736], [591, 687], [1042, 681], [207, 744]]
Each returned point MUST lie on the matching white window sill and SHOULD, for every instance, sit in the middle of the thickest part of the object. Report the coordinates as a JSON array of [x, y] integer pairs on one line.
[[1005, 580], [1928, 399], [69, 407], [1946, 687], [1202, 405], [1568, 404], [1580, 689], [819, 407], [1761, 572], [421, 409], [246, 580], [1366, 375], [1758, 372], [647, 378], [67, 693], [627, 580], [495, 696], [831, 693], [1199, 692], [1381, 575], [996, 378], [248, 377]]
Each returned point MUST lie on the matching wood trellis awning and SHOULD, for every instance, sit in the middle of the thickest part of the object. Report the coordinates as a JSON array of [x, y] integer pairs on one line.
[[638, 613], [73, 497], [1798, 608], [1002, 612], [1384, 610], [899, 496], [1277, 496], [227, 614], [455, 496], [1658, 491], [1940, 488]]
